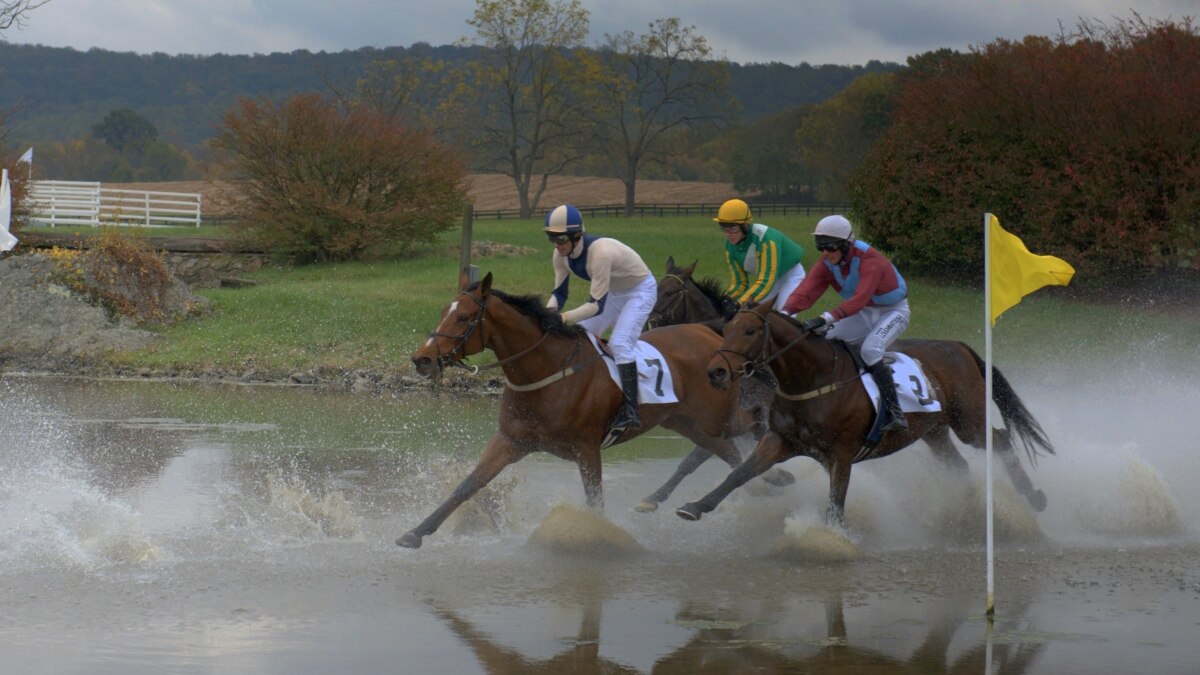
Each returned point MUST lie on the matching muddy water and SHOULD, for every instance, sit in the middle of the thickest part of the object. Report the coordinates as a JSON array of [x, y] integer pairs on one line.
[[154, 527]]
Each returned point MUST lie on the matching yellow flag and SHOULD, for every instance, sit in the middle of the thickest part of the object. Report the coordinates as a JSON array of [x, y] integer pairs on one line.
[[1015, 272]]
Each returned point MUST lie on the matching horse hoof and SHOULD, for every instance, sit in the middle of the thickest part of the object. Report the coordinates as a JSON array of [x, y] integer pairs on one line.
[[688, 512], [409, 540], [1038, 501], [779, 477], [646, 507]]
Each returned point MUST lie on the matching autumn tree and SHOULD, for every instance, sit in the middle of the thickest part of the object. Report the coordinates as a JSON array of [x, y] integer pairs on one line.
[[125, 130], [834, 138], [339, 182], [528, 90], [762, 157], [649, 86], [1084, 145]]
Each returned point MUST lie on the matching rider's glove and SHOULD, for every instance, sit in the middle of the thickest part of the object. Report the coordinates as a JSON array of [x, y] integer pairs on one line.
[[813, 324], [729, 307]]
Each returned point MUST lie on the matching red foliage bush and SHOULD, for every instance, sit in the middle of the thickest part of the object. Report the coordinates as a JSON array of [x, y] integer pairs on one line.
[[330, 182], [1086, 146]]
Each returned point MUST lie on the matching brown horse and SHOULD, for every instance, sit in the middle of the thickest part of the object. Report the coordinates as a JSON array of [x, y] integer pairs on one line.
[[821, 411], [559, 397], [684, 299]]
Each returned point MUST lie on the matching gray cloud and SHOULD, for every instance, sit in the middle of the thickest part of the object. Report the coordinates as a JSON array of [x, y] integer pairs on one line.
[[788, 31]]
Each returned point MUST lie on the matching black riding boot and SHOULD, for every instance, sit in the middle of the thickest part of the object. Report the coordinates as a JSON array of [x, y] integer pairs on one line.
[[627, 415], [888, 401]]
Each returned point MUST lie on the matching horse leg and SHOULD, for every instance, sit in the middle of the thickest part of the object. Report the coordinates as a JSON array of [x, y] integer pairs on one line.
[[769, 452], [498, 454], [839, 485], [1016, 473], [943, 449], [690, 463], [588, 460]]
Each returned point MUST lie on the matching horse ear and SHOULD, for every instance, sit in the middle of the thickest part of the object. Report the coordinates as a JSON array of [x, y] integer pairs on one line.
[[670, 263], [464, 279], [485, 286], [691, 268]]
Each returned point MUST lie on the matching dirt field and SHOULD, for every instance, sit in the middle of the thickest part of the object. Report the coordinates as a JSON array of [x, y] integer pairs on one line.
[[493, 191]]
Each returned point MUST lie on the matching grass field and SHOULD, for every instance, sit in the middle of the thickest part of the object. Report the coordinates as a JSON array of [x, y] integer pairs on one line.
[[373, 315]]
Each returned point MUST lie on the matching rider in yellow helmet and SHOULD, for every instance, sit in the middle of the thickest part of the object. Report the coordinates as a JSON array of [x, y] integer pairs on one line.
[[764, 264]]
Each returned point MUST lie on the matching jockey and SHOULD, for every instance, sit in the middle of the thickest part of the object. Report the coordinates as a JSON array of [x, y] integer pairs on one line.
[[874, 311], [764, 264], [621, 296]]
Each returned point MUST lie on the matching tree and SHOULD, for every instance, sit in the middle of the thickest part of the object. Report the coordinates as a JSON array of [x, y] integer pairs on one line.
[[837, 134], [1084, 145], [652, 85], [12, 12], [531, 85], [125, 130], [762, 156], [330, 182]]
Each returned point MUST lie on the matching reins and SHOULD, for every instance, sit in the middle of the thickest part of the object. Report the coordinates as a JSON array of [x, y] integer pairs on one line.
[[448, 360], [749, 364]]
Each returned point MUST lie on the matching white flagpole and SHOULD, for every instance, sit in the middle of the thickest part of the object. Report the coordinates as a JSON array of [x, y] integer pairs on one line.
[[987, 404]]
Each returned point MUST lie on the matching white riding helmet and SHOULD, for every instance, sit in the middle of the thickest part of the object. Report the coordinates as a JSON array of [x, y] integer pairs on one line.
[[834, 227]]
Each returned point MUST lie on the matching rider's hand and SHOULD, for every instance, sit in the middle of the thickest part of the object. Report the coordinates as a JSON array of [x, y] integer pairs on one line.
[[729, 307], [810, 325]]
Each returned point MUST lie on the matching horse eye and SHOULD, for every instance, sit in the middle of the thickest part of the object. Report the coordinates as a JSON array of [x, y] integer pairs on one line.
[[462, 319], [750, 331]]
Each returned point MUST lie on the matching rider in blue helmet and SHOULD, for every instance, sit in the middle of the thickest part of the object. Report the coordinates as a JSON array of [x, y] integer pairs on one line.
[[621, 296]]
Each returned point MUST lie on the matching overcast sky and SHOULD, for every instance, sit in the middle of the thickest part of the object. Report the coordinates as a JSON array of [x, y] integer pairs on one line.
[[848, 32]]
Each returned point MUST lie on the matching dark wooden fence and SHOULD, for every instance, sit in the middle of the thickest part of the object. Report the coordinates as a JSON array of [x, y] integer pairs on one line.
[[710, 210]]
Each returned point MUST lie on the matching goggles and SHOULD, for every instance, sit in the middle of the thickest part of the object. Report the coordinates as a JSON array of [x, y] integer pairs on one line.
[[828, 247], [557, 239]]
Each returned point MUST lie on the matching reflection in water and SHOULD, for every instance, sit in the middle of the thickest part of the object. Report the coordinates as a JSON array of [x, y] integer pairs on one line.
[[758, 637]]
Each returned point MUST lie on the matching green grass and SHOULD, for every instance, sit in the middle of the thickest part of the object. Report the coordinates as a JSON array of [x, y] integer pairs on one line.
[[373, 315]]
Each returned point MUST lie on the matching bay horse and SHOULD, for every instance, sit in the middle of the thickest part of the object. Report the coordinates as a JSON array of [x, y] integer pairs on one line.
[[682, 298], [559, 397], [821, 410]]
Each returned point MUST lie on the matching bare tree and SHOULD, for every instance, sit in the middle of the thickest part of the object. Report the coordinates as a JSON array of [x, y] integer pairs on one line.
[[654, 84], [531, 85], [13, 13]]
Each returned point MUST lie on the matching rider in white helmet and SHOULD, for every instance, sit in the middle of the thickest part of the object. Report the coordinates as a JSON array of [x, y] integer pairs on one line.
[[874, 311], [621, 296]]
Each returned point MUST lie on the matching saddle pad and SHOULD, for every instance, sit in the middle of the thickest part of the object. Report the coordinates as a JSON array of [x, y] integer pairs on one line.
[[913, 388], [655, 384]]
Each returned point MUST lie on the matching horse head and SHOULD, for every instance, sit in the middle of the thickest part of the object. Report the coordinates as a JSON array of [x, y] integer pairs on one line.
[[459, 334], [670, 308], [746, 345]]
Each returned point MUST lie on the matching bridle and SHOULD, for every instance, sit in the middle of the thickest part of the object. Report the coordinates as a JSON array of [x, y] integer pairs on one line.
[[751, 364], [669, 311], [455, 356]]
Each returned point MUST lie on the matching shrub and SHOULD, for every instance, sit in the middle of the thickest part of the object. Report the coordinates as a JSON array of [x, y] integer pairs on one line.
[[1084, 146], [327, 181]]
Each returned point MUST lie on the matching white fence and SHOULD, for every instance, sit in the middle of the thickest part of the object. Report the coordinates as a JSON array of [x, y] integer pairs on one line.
[[62, 202]]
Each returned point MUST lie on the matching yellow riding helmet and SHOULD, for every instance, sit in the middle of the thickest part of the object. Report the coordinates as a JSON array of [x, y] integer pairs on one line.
[[734, 211]]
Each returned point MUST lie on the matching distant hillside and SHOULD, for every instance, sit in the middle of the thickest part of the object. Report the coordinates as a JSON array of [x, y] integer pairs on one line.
[[57, 93]]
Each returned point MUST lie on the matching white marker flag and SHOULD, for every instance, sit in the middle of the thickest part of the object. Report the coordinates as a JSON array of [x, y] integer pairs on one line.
[[7, 241]]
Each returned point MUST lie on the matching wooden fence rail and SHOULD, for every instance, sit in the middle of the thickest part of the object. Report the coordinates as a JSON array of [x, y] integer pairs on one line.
[[652, 210]]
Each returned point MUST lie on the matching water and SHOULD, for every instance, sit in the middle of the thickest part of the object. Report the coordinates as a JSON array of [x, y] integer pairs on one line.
[[159, 527]]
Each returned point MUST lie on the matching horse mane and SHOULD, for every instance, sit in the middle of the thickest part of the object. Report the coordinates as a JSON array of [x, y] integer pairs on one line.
[[532, 306], [711, 288]]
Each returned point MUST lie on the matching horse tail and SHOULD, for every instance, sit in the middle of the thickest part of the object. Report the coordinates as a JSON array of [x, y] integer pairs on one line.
[[1014, 413]]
